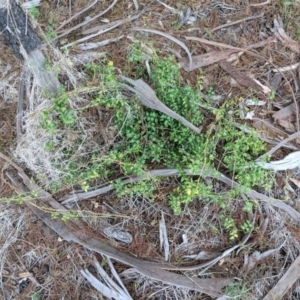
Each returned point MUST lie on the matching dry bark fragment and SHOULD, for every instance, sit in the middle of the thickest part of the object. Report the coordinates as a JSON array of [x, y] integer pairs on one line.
[[203, 60]]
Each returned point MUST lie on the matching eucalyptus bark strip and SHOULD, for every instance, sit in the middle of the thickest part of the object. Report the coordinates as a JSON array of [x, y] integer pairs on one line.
[[25, 43]]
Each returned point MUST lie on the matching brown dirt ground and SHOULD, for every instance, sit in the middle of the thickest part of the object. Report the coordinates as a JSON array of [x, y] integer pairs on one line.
[[39, 263]]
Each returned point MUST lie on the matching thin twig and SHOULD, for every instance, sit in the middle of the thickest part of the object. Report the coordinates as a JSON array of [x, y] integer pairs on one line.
[[237, 22], [178, 42], [281, 144]]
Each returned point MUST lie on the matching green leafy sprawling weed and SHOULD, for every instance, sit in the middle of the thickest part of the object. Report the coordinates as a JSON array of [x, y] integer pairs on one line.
[[147, 138], [59, 114], [238, 291]]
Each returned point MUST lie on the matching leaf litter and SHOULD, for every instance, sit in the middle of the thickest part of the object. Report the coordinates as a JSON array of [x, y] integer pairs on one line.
[[276, 233]]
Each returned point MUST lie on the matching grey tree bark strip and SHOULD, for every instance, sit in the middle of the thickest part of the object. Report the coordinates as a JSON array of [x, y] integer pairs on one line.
[[286, 282], [25, 43], [16, 29]]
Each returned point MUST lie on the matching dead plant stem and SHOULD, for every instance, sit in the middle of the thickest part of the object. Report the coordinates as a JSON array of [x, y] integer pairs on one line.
[[237, 22]]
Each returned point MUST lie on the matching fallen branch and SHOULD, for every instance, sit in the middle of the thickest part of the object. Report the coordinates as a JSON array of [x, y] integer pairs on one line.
[[204, 173]]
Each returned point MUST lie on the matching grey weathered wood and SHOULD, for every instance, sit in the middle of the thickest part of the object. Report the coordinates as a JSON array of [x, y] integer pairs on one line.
[[286, 282]]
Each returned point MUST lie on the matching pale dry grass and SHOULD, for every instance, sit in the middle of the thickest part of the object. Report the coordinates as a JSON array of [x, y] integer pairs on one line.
[[12, 224], [30, 149]]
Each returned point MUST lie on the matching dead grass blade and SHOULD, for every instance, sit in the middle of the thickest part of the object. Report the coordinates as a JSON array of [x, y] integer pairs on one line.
[[173, 10], [287, 68], [105, 290], [89, 46], [286, 282], [105, 26], [260, 4], [20, 103], [290, 162], [203, 255], [110, 288], [147, 97], [91, 36], [168, 36], [136, 4], [116, 275]]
